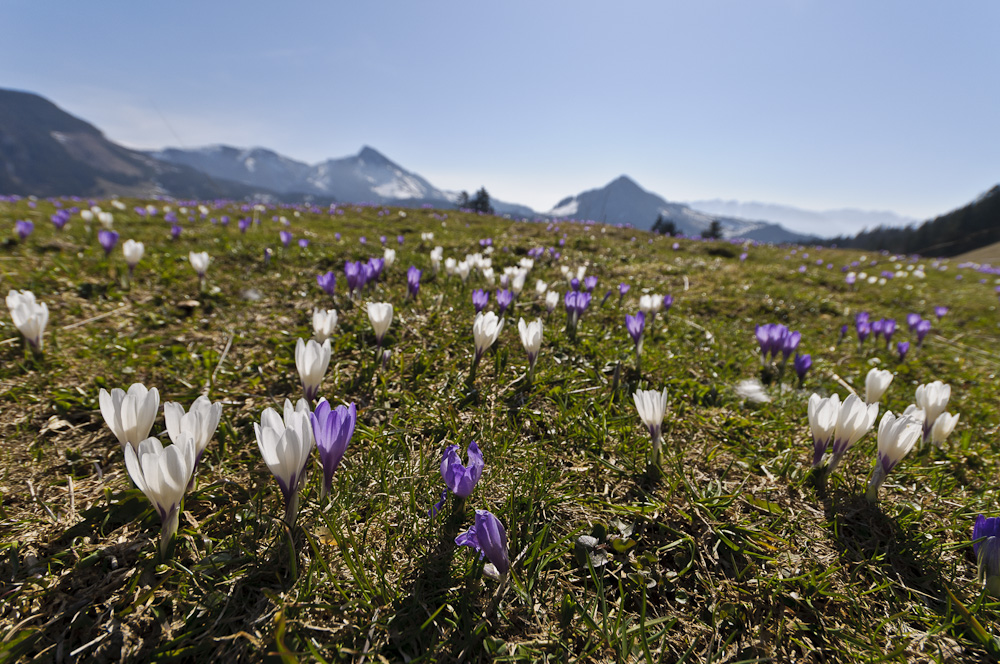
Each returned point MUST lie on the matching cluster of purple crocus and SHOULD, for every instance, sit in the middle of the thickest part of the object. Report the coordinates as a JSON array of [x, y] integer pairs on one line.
[[360, 274], [487, 535], [61, 218], [775, 338], [23, 227]]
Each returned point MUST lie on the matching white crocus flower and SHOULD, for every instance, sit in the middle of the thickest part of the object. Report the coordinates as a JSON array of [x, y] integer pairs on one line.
[[517, 281], [489, 275], [324, 324], [933, 399], [380, 315], [943, 426], [876, 383], [312, 360], [130, 415], [30, 316], [200, 423], [652, 406], [450, 266], [650, 305], [285, 444], [541, 287], [389, 256], [163, 474], [133, 253], [462, 269], [551, 301], [823, 422], [896, 437], [485, 331], [199, 261], [853, 421], [87, 215], [106, 218], [531, 339]]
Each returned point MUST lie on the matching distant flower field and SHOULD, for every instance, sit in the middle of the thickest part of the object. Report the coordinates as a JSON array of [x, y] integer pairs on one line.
[[236, 431]]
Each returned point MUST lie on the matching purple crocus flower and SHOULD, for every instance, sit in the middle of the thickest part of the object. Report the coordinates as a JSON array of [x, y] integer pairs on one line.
[[328, 282], [336, 236], [355, 276], [504, 300], [605, 298], [480, 299], [332, 429], [574, 283], [987, 551], [363, 240], [923, 327], [622, 289], [770, 337], [459, 478], [382, 239], [244, 224], [863, 329], [60, 219], [636, 325], [267, 255], [911, 320], [789, 344], [801, 363], [108, 240], [668, 301], [24, 228], [843, 333], [303, 243], [888, 329], [877, 327], [903, 348], [399, 239], [413, 281], [590, 283], [175, 231], [576, 303], [940, 311], [862, 317], [286, 238], [377, 265], [743, 256], [489, 538]]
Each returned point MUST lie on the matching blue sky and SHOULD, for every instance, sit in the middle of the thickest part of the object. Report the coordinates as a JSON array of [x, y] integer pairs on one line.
[[888, 105]]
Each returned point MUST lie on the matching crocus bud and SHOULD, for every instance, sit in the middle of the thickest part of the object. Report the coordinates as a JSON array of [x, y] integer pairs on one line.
[[876, 383], [489, 538], [312, 360]]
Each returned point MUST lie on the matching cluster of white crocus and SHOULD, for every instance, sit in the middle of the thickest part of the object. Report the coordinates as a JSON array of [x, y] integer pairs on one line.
[[30, 316], [436, 255], [516, 278], [838, 425], [570, 274], [876, 383], [285, 443], [652, 406], [162, 473], [426, 236], [380, 315], [531, 339], [933, 399], [324, 324], [312, 360]]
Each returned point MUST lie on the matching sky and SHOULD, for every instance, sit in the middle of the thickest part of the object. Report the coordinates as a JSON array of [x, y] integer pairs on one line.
[[889, 105]]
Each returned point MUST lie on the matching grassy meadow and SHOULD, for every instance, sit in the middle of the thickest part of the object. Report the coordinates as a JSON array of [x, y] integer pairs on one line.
[[733, 554]]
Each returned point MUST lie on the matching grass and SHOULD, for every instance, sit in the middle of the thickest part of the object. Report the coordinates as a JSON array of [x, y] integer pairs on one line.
[[732, 555]]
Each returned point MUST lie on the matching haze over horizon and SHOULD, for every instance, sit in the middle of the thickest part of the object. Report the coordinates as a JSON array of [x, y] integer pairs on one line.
[[789, 102]]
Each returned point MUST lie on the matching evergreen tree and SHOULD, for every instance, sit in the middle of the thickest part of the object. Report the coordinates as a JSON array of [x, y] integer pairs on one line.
[[714, 231], [664, 227], [481, 202]]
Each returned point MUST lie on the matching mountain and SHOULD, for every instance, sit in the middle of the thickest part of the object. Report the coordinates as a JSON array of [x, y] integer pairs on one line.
[[47, 152], [959, 231], [622, 201], [828, 222], [367, 177]]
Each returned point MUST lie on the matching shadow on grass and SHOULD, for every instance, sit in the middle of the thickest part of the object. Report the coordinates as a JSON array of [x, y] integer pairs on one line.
[[428, 618]]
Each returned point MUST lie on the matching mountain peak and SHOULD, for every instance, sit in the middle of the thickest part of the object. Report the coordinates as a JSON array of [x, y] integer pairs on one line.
[[370, 155], [623, 182]]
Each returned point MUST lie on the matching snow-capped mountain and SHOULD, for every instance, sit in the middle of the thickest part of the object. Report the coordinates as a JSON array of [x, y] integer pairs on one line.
[[367, 177], [622, 201]]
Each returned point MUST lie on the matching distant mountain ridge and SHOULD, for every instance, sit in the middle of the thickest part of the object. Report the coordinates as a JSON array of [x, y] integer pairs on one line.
[[839, 221], [622, 201]]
